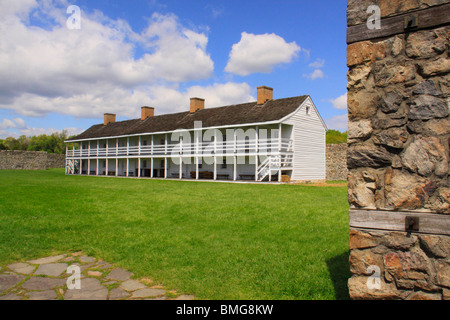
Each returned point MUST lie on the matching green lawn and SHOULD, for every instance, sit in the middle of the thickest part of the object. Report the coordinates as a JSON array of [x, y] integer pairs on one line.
[[213, 240]]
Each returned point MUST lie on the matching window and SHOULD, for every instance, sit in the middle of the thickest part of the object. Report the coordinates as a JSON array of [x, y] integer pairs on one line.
[[144, 163], [308, 110], [224, 163]]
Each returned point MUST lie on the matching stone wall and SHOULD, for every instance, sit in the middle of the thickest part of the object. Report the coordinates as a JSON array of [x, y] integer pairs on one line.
[[398, 154], [336, 161], [56, 161], [411, 266], [30, 160]]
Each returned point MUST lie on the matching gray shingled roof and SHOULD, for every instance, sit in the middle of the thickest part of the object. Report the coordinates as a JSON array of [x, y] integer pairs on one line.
[[211, 117]]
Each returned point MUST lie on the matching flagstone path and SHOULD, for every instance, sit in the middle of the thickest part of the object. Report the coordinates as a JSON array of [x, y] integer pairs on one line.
[[53, 278]]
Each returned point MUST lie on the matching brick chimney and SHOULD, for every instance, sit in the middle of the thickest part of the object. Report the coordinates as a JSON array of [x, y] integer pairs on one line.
[[264, 94], [197, 104], [147, 112], [109, 118]]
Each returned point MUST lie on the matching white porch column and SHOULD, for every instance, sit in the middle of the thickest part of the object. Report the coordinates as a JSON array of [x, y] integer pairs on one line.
[[128, 159], [196, 168], [165, 168], [117, 167], [98, 142], [165, 158], [279, 152], [215, 167], [279, 137], [152, 148], [139, 167], [81, 160], [256, 152], [89, 159], [256, 167], [107, 149], [181, 159], [215, 157], [235, 169], [151, 163], [96, 172], [215, 142], [257, 140], [67, 150], [139, 149]]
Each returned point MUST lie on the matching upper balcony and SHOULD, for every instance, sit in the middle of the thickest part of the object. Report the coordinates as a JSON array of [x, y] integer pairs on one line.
[[220, 148]]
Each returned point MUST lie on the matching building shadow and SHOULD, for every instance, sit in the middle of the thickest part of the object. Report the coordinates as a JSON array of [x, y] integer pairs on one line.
[[339, 269]]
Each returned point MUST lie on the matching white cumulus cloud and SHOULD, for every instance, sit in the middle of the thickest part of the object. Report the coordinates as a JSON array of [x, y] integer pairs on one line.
[[316, 74], [339, 122], [260, 53], [319, 63], [340, 102], [46, 68]]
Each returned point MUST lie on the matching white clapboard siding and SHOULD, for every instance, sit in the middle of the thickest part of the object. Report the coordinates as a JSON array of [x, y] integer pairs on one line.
[[309, 143]]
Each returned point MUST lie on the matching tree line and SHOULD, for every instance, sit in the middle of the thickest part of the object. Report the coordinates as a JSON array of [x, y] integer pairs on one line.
[[53, 143], [335, 136]]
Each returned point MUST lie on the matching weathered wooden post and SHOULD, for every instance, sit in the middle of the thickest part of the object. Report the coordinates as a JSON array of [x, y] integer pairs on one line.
[[398, 155]]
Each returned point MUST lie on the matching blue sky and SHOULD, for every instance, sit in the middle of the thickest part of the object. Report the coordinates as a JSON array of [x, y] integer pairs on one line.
[[127, 54]]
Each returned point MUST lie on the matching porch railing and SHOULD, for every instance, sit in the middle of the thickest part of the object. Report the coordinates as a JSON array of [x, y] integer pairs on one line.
[[261, 146]]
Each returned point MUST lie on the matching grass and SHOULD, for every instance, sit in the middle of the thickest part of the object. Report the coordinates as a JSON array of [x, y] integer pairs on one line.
[[213, 240]]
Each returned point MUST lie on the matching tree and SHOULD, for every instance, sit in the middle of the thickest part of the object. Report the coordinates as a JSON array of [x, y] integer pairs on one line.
[[53, 143], [335, 137], [11, 143]]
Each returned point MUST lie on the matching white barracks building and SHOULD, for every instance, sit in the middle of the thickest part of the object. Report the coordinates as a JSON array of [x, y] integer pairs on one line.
[[266, 140]]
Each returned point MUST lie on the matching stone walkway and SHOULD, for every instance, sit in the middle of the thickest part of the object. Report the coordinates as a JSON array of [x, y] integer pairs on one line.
[[57, 278]]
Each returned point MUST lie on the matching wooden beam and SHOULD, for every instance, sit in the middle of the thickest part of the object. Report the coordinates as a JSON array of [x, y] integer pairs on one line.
[[432, 17], [428, 223]]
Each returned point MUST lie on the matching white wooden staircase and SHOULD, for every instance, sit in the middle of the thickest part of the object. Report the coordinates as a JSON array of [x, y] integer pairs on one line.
[[273, 164]]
